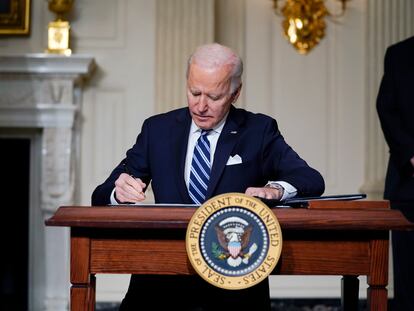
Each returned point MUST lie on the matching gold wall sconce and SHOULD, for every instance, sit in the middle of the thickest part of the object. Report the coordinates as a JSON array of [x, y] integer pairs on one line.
[[304, 24]]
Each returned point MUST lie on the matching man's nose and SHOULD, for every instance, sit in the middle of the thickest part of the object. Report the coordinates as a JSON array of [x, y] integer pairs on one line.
[[203, 104]]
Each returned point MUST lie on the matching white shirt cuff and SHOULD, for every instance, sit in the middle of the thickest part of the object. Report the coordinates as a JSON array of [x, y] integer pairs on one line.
[[113, 201]]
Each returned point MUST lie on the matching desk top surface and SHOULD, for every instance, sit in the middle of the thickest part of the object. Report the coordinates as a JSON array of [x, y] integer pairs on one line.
[[320, 215]]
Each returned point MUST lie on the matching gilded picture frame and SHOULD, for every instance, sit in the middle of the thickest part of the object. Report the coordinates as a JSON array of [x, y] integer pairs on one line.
[[14, 17]]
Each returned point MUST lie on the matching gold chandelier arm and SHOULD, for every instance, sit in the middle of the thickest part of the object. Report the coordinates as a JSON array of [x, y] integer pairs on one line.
[[278, 11], [277, 7]]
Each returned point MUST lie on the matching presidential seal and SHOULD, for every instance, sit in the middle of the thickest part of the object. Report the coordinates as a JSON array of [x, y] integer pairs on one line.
[[234, 241]]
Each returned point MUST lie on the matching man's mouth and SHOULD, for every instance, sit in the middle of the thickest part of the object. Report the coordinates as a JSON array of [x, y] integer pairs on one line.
[[201, 117]]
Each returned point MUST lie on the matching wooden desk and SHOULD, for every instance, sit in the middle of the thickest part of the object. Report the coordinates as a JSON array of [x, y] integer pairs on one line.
[[328, 238]]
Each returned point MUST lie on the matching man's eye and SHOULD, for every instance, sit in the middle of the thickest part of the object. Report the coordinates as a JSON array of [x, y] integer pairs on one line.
[[195, 94], [214, 97]]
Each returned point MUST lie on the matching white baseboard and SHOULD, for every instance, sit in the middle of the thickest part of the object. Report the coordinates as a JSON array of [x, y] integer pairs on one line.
[[112, 287]]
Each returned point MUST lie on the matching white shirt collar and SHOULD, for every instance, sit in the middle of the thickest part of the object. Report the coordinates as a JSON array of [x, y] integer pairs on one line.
[[217, 129]]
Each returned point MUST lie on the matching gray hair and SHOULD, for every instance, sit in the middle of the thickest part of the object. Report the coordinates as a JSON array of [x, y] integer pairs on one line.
[[215, 55]]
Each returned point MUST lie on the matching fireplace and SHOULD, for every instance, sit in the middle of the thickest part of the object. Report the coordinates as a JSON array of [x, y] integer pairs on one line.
[[40, 99], [14, 230]]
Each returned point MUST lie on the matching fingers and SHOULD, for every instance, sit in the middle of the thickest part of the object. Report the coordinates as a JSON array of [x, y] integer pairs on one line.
[[129, 189], [264, 192]]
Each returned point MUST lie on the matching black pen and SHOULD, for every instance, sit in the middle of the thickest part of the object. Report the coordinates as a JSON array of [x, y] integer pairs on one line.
[[128, 171]]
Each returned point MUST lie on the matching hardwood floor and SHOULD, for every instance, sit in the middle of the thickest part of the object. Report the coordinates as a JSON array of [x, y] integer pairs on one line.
[[277, 305]]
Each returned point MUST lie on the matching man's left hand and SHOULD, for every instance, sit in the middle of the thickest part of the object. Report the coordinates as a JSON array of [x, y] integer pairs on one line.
[[265, 192]]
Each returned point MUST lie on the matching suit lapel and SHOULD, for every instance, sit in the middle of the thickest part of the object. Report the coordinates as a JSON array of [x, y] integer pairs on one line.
[[179, 149], [227, 140]]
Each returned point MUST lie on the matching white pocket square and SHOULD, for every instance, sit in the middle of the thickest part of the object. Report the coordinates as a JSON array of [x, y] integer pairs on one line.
[[233, 160]]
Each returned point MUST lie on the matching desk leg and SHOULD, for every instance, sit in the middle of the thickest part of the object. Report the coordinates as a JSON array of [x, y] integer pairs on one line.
[[350, 291], [378, 279], [82, 296], [377, 298], [82, 293]]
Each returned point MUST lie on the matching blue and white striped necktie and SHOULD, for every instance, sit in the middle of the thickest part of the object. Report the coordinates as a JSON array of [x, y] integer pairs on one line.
[[200, 169]]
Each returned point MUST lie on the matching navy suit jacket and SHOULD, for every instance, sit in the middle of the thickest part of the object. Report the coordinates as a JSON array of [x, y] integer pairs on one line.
[[395, 105], [160, 150]]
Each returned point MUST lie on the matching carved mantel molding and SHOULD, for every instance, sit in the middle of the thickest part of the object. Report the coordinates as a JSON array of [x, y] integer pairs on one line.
[[44, 92]]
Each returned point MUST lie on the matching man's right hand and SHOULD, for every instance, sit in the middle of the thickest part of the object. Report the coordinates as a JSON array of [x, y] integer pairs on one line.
[[129, 189]]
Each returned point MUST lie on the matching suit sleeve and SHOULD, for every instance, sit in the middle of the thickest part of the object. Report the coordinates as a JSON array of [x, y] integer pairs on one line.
[[136, 163], [401, 144], [282, 163]]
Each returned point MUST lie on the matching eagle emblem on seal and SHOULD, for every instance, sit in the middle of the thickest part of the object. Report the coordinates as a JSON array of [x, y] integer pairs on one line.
[[233, 235]]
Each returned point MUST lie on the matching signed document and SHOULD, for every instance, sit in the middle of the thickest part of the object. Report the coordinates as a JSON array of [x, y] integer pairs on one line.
[[303, 201]]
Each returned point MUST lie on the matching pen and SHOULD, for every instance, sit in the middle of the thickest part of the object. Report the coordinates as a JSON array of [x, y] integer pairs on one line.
[[128, 171]]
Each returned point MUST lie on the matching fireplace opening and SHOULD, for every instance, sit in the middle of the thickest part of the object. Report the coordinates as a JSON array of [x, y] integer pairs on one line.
[[14, 228]]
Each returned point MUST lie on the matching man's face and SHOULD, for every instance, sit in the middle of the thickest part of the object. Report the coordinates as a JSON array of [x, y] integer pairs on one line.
[[208, 95]]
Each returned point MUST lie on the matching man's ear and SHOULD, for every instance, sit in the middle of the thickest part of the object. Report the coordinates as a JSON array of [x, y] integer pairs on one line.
[[236, 93]]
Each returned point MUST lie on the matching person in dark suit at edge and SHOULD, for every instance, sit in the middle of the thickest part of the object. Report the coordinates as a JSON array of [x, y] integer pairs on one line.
[[395, 105], [247, 153]]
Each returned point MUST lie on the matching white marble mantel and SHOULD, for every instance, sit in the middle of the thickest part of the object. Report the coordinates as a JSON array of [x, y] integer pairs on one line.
[[42, 94], [39, 63], [41, 90]]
